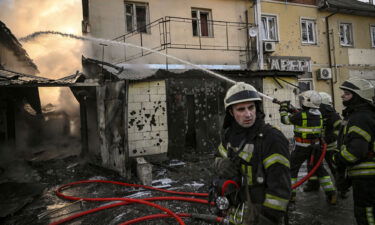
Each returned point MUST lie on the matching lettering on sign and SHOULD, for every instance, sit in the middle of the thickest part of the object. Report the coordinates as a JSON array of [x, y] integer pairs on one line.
[[290, 63]]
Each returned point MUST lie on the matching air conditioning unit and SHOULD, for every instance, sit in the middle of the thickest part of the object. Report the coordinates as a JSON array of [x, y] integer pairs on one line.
[[269, 46], [324, 74]]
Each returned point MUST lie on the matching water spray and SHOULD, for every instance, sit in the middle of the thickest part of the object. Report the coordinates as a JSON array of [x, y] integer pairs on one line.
[[111, 42]]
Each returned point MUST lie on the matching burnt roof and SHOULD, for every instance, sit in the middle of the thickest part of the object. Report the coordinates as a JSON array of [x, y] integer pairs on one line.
[[353, 7], [11, 42], [10, 78]]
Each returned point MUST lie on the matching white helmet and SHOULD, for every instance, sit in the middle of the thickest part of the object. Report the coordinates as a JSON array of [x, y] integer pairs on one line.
[[240, 92], [361, 87], [326, 98], [310, 99]]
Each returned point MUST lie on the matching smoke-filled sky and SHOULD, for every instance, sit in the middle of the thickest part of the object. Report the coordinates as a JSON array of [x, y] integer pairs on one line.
[[55, 56]]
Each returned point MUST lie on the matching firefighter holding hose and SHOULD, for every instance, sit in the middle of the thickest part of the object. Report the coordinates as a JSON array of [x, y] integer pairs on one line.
[[308, 125], [256, 155]]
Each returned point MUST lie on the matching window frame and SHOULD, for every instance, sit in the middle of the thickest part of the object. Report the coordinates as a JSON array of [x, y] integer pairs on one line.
[[198, 23], [372, 35], [309, 21], [135, 27], [276, 28], [351, 43]]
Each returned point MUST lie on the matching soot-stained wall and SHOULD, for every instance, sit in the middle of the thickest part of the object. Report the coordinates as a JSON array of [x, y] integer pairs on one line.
[[196, 111]]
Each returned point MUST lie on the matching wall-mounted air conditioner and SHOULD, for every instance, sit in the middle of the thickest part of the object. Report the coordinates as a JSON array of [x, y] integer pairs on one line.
[[324, 74], [269, 46]]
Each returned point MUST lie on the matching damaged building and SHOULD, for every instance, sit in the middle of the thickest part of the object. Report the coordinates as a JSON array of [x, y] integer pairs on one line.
[[152, 105]]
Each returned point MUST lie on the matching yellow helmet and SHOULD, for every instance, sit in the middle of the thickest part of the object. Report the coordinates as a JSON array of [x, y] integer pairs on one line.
[[240, 92], [363, 88]]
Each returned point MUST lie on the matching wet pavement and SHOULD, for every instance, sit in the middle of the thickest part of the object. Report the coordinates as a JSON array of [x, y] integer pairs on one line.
[[192, 173]]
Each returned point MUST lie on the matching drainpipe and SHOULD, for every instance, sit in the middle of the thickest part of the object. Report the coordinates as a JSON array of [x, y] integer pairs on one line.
[[330, 56], [258, 23]]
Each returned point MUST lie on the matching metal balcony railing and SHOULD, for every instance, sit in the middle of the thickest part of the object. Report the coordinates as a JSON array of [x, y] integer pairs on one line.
[[187, 33]]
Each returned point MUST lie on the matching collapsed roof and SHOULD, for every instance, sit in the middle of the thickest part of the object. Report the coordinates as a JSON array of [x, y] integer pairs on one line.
[[14, 79]]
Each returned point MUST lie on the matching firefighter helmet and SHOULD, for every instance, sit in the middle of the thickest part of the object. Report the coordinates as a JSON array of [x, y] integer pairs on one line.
[[310, 99], [363, 88], [326, 98], [240, 92]]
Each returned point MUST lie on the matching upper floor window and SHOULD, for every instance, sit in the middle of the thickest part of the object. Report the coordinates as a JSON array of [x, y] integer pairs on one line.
[[372, 31], [346, 34], [136, 16], [269, 28], [202, 22], [308, 33]]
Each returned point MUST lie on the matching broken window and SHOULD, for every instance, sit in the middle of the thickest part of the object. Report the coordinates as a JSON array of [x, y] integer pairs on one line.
[[308, 34], [269, 28], [136, 16], [346, 34], [202, 23], [372, 32]]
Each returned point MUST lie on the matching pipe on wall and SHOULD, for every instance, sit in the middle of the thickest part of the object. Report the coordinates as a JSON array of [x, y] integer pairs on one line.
[[330, 55]]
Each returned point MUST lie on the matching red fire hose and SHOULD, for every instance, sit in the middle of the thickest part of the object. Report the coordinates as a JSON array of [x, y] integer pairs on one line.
[[146, 201], [321, 158]]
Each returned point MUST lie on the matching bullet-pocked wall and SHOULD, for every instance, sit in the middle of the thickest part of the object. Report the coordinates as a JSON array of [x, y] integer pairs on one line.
[[147, 118], [280, 89]]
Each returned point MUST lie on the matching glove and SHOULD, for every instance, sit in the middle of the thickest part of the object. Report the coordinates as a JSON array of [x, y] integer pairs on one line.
[[225, 168], [284, 106]]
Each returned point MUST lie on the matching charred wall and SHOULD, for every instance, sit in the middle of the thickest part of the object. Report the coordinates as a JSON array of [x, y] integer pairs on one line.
[[196, 111]]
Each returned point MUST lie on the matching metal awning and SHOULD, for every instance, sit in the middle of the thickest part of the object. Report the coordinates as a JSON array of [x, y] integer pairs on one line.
[[352, 7]]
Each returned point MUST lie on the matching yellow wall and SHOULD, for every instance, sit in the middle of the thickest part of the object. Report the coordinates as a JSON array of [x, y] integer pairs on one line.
[[343, 58], [107, 19]]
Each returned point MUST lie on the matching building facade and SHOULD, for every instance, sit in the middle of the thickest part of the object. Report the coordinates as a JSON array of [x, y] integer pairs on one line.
[[334, 39]]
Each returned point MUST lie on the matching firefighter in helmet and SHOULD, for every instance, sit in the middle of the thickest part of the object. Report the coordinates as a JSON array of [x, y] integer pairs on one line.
[[308, 125], [258, 154], [357, 147], [331, 128]]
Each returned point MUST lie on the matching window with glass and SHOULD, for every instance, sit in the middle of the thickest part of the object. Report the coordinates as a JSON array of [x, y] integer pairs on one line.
[[305, 82], [346, 34], [202, 22], [308, 33], [372, 32], [136, 16], [269, 28]]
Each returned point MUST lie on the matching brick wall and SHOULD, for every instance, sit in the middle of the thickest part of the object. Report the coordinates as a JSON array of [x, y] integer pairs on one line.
[[147, 118]]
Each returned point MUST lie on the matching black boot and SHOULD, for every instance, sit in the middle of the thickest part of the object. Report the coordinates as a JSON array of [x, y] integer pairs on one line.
[[311, 185], [331, 197]]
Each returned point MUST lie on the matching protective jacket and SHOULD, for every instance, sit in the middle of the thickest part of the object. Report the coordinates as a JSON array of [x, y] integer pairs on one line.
[[356, 141], [308, 123], [331, 123], [261, 153]]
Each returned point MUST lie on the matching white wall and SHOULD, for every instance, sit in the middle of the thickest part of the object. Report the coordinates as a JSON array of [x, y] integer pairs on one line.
[[147, 118]]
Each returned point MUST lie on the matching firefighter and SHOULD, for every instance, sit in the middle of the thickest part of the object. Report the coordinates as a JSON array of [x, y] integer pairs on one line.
[[256, 152], [357, 147], [331, 128], [308, 125]]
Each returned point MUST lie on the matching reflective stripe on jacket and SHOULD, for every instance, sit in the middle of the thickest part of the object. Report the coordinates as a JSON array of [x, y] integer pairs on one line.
[[357, 145], [307, 125]]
